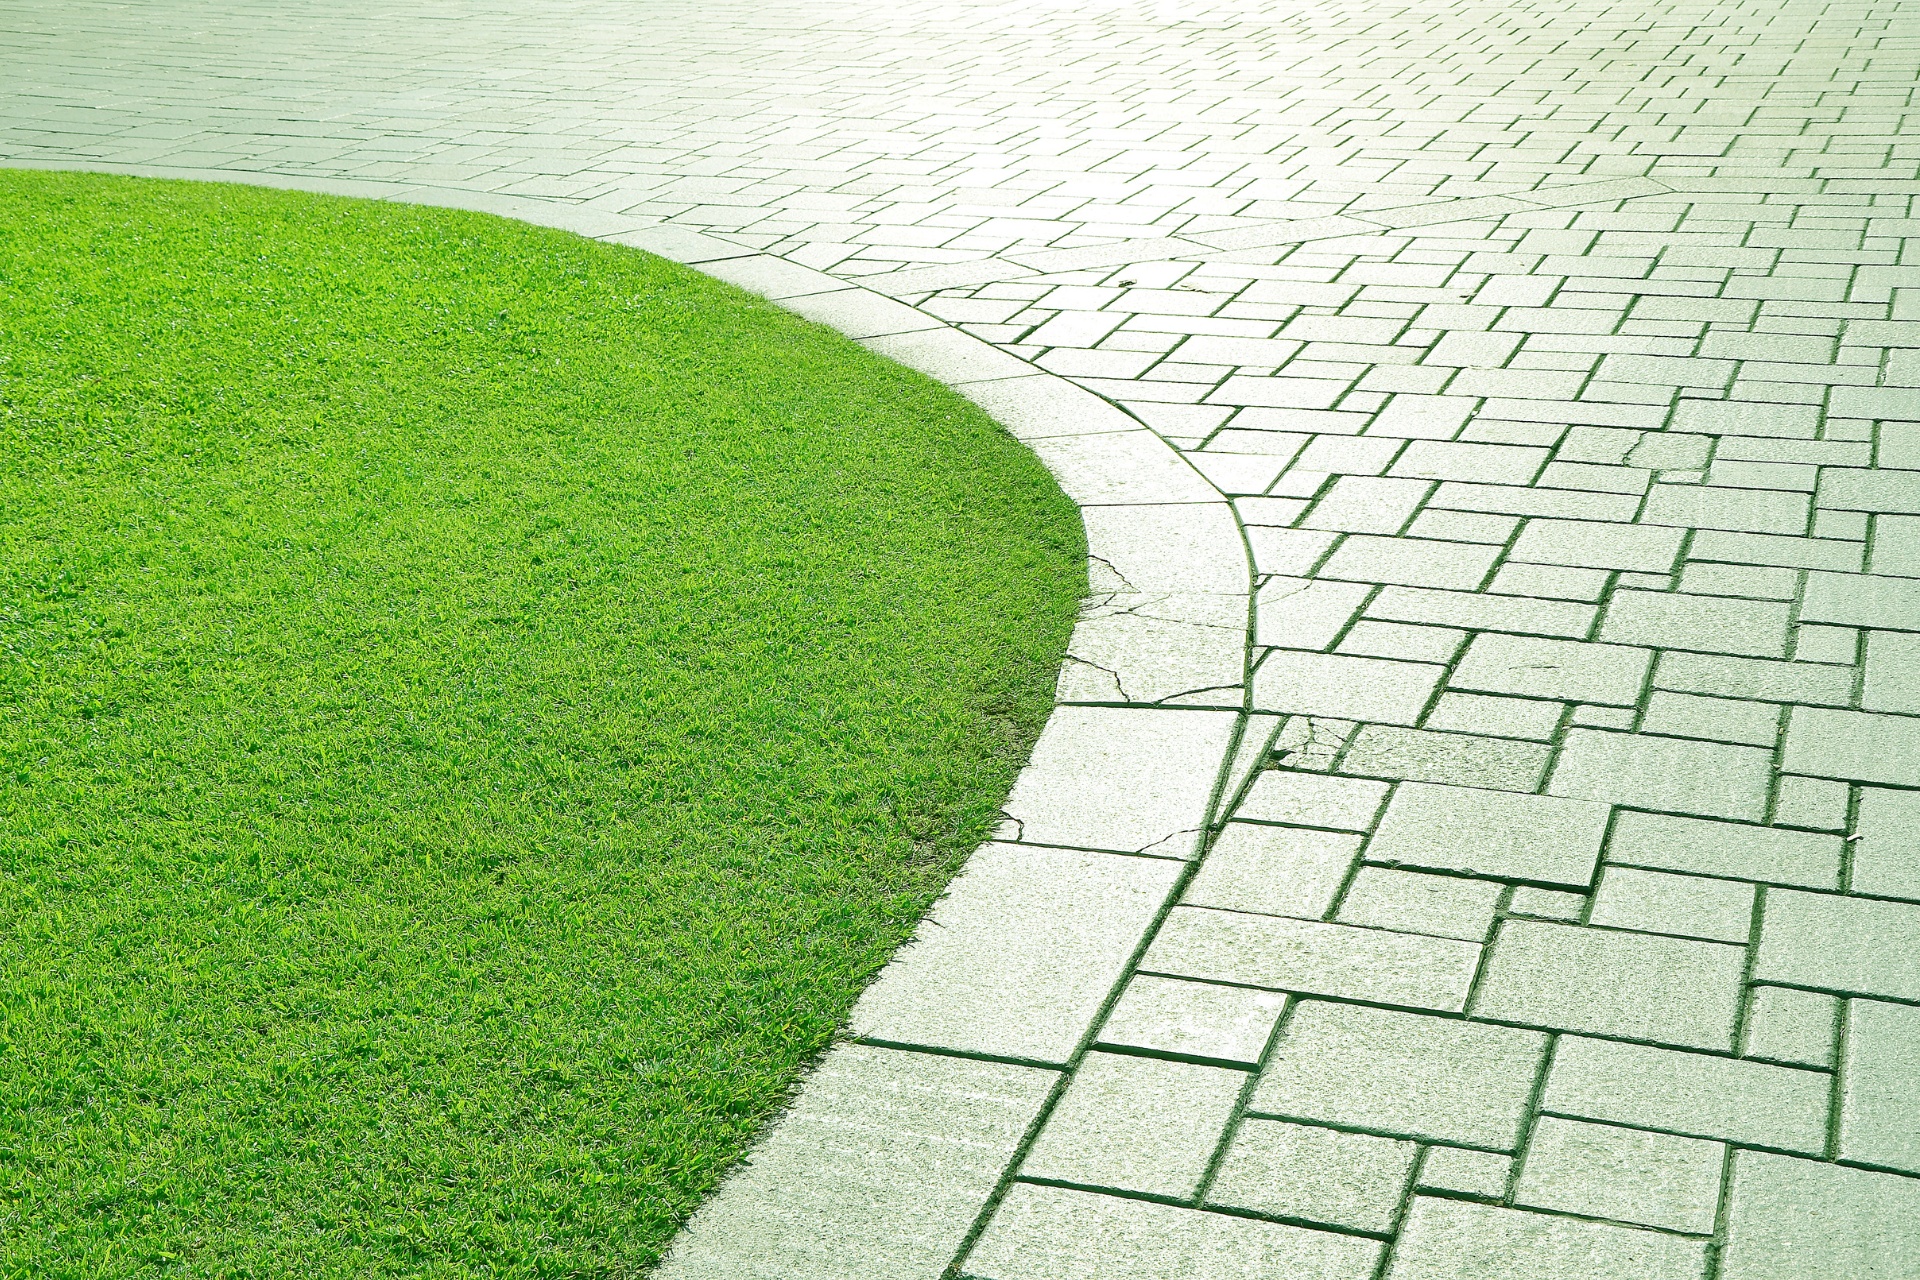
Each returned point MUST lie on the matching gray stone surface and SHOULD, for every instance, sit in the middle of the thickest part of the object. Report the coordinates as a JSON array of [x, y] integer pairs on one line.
[[1309, 800], [1136, 1124], [1455, 1240], [1728, 849], [1193, 1019], [1314, 958], [1688, 906], [1121, 779], [1414, 902], [1886, 858], [1315, 1175], [1637, 986], [1054, 1233], [1671, 774], [1493, 833], [876, 1173], [1628, 1175], [1840, 944], [1790, 1219], [1564, 669], [1282, 871], [1791, 1026], [1880, 1086], [1464, 1171], [1402, 1074], [1019, 956], [1688, 1093]]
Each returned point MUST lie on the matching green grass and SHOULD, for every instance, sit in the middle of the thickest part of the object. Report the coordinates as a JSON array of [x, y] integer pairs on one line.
[[476, 704]]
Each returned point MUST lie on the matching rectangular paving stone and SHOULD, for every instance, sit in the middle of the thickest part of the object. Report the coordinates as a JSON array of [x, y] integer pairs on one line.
[[1019, 955], [1699, 506], [1315, 1175], [1880, 1086], [1687, 906], [1886, 857], [1312, 800], [1193, 1019], [1571, 670], [1399, 640], [1711, 624], [1410, 562], [1730, 677], [1791, 1219], [1481, 612], [1349, 688], [1689, 715], [1491, 833], [1893, 673], [1636, 986], [1367, 504], [1402, 1074], [1857, 746], [1413, 902], [876, 1172], [1857, 489], [1125, 779], [1832, 943], [1313, 958], [1504, 717], [1773, 549], [1464, 760], [1696, 1094], [1808, 859], [1790, 1026], [1588, 544], [1282, 871], [1463, 1171], [1709, 778], [1459, 1240], [1055, 1233], [1304, 613], [1136, 1124], [1628, 1175], [1862, 600]]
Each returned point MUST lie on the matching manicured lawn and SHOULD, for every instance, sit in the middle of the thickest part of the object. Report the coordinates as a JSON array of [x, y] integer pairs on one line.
[[475, 706]]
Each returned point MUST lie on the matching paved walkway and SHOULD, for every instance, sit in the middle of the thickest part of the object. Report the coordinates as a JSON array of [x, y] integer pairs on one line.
[[1532, 890]]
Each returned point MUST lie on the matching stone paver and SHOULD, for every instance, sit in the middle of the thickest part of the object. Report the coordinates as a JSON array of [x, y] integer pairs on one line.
[[1498, 435]]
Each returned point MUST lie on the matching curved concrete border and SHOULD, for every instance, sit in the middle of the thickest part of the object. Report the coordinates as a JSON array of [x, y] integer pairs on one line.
[[897, 1145]]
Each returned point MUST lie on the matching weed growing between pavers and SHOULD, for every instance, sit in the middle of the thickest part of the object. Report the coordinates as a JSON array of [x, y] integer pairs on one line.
[[475, 706]]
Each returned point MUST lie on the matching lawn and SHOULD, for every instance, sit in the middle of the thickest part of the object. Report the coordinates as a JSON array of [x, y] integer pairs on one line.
[[476, 704]]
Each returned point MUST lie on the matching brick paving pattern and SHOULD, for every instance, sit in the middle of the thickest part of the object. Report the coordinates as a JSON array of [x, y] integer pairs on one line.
[[1518, 875]]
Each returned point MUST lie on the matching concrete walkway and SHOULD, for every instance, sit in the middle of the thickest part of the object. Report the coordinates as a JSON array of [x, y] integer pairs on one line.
[[1481, 834]]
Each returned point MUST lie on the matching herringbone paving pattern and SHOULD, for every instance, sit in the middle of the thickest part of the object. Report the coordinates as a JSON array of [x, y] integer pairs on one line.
[[1559, 915]]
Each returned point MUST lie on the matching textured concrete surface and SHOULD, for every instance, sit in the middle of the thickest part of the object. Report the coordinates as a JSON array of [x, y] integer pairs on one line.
[[1498, 430]]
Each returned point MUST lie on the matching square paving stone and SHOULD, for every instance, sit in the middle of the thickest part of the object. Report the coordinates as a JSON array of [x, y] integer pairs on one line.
[[1637, 986], [1020, 954], [1797, 1219], [1195, 1019], [1833, 943], [876, 1172], [1315, 1175], [1689, 906], [1136, 1124], [1121, 779], [1350, 688], [1707, 778], [1572, 670], [1458, 1240], [1302, 613], [1599, 1171], [1319, 959], [1402, 1074], [1728, 849], [1797, 1027], [1054, 1233], [1880, 1086], [1412, 902], [1312, 800], [1466, 1172], [1689, 1093], [1854, 745], [1886, 857], [1491, 833], [1282, 871], [1712, 624]]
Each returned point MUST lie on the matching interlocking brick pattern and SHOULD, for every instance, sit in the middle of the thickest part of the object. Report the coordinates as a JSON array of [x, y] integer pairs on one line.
[[1559, 914]]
